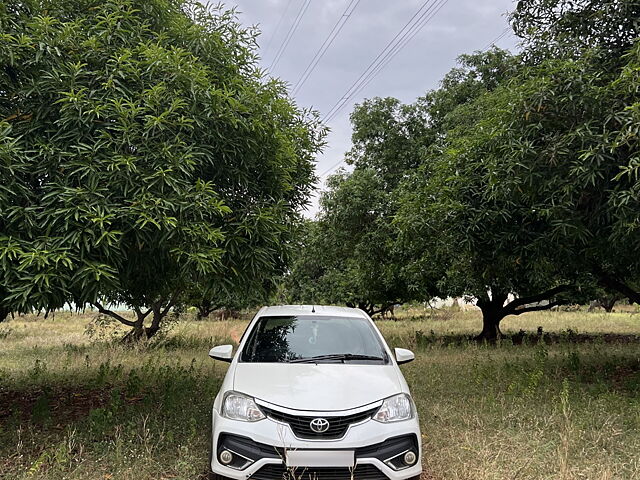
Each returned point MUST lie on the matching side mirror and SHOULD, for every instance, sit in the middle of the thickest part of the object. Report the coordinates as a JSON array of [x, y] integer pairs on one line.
[[222, 352], [403, 355]]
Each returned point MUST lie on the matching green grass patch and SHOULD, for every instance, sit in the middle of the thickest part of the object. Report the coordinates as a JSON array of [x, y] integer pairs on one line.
[[72, 407]]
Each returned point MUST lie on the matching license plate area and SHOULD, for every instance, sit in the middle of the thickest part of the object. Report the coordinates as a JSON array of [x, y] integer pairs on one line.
[[320, 458]]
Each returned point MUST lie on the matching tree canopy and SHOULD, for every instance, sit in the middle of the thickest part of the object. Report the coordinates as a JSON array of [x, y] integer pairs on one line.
[[515, 183], [350, 254], [144, 153]]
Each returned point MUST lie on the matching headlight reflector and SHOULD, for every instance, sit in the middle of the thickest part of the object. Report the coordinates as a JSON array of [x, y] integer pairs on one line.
[[395, 409], [237, 406]]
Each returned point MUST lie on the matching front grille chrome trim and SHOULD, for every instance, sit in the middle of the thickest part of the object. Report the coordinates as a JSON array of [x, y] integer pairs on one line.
[[319, 413], [339, 422]]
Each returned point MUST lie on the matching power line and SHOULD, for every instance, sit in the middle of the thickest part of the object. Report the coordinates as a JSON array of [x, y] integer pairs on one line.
[[277, 29], [335, 31], [290, 33], [399, 47], [404, 36], [376, 59], [328, 170], [498, 38], [415, 23]]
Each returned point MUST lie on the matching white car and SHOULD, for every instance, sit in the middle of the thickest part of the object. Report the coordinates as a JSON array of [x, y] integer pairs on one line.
[[314, 393]]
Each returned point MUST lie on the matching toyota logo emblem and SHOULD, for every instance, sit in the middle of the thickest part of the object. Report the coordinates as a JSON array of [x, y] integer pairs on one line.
[[319, 425]]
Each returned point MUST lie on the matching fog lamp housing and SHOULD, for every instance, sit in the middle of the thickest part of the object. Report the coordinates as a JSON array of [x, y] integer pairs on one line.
[[226, 457], [410, 458], [402, 460]]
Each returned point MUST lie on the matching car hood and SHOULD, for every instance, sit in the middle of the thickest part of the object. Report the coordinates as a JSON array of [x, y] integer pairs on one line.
[[321, 387]]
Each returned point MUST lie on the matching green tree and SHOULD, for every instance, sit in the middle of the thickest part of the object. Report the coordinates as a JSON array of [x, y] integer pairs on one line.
[[472, 241], [347, 255], [571, 133], [388, 139], [231, 293], [12, 190], [567, 28], [350, 253], [156, 155], [457, 232], [532, 194]]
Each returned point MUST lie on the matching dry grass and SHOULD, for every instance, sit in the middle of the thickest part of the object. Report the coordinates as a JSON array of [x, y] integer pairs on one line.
[[80, 407]]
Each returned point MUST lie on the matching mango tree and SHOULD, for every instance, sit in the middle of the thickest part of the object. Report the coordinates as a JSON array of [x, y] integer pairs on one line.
[[154, 151], [349, 254]]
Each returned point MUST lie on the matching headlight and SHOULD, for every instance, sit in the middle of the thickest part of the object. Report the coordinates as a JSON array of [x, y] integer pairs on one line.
[[237, 406], [395, 409]]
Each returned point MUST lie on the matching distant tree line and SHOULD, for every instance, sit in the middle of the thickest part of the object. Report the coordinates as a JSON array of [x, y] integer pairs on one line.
[[516, 182], [145, 160]]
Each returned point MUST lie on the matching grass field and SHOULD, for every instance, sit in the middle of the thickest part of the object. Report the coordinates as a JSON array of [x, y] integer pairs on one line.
[[74, 406]]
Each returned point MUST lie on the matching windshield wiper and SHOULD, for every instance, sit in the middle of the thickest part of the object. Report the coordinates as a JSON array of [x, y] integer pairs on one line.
[[336, 356]]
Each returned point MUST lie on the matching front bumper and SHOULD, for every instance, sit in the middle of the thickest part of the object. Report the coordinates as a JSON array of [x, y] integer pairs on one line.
[[259, 450]]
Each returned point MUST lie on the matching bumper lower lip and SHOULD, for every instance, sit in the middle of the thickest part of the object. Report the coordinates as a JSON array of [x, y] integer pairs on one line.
[[264, 443]]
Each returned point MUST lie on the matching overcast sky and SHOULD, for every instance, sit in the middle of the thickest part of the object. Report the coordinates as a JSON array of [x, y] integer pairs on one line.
[[460, 26]]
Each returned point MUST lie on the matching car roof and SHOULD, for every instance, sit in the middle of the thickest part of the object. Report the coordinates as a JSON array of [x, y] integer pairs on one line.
[[319, 310]]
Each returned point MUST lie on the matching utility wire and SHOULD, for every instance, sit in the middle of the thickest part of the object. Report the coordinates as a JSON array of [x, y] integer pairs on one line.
[[497, 39], [335, 31], [290, 33], [406, 37], [399, 47], [277, 29], [375, 60], [424, 15], [419, 19]]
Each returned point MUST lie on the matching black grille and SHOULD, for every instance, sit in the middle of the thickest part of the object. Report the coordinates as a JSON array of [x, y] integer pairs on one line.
[[280, 472], [300, 424]]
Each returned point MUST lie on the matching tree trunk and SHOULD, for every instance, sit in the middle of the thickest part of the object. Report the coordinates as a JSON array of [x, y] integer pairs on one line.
[[368, 308], [608, 303], [383, 310], [490, 327], [388, 311], [493, 312], [137, 331], [4, 313], [159, 314], [205, 309], [494, 309], [608, 307], [136, 334]]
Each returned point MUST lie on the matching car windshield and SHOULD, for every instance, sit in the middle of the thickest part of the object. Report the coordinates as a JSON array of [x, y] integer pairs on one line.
[[316, 339]]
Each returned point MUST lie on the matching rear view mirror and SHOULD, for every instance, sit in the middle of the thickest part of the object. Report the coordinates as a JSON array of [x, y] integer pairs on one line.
[[403, 355], [222, 352]]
